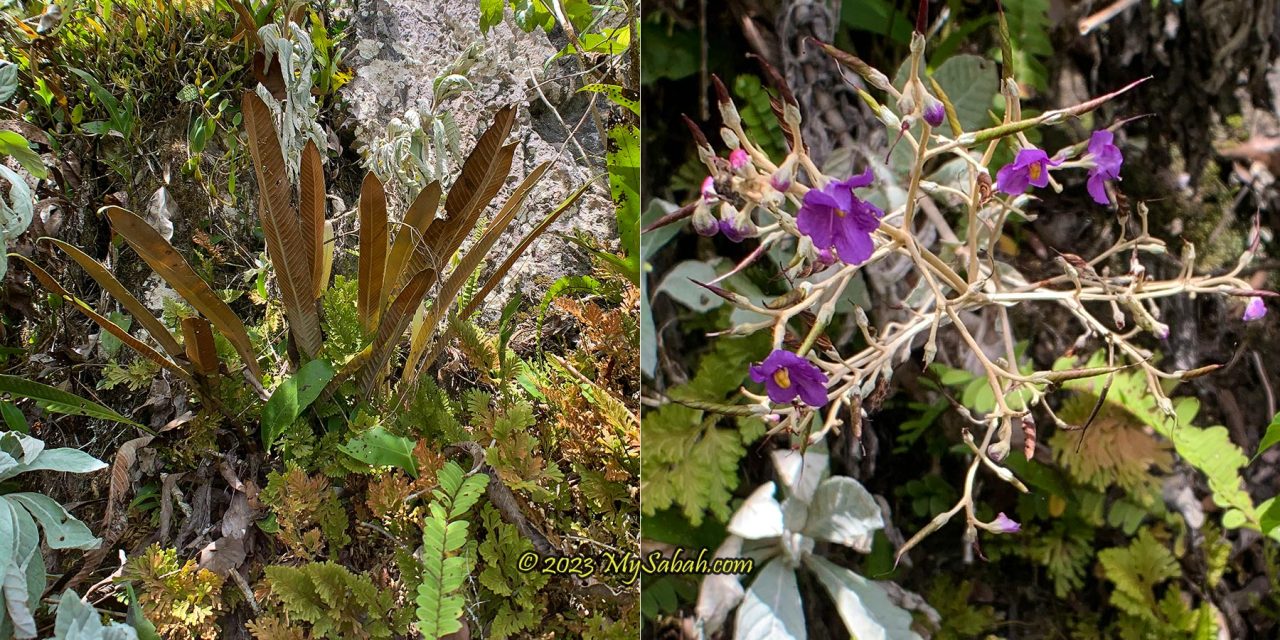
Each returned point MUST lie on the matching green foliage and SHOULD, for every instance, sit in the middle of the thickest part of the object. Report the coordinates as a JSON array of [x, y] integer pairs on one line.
[[337, 603], [516, 593], [439, 605], [431, 414], [757, 114], [77, 619], [689, 459], [309, 516], [1065, 550], [292, 397], [136, 375], [181, 599], [57, 400], [1208, 449], [343, 336], [20, 558], [377, 447], [960, 619], [1029, 29], [1137, 571]]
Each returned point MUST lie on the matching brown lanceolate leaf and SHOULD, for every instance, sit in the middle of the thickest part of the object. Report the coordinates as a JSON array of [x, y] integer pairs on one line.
[[311, 200], [287, 245], [107, 325], [173, 268], [394, 322], [407, 255], [449, 290], [99, 273], [482, 176], [197, 336], [373, 252]]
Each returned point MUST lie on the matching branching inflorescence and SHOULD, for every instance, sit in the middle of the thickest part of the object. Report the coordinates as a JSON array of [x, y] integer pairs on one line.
[[791, 204]]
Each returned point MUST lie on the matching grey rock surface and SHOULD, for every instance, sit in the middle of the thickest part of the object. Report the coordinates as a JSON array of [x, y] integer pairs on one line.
[[400, 46]]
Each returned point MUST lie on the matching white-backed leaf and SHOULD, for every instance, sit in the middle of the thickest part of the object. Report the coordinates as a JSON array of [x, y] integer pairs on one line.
[[759, 517], [844, 512], [801, 475], [771, 608], [720, 593], [61, 529], [865, 608]]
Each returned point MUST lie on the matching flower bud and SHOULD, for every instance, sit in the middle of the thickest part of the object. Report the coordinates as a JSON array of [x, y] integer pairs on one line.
[[703, 221], [1255, 309], [730, 138], [738, 159], [781, 179], [934, 112], [906, 103], [708, 190], [736, 225]]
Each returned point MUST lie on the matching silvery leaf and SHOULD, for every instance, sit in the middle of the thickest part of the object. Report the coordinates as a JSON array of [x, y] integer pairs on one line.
[[771, 608], [61, 529], [720, 593], [679, 285], [64, 459], [759, 517], [865, 608], [844, 512], [801, 476]]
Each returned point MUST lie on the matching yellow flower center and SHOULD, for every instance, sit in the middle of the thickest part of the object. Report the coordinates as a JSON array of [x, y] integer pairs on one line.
[[782, 378], [841, 213], [1035, 170]]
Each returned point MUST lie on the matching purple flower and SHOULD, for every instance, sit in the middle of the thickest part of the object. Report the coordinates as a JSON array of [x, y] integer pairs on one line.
[[1106, 164], [738, 159], [1004, 524], [934, 112], [833, 217], [1030, 168], [786, 375], [1255, 310]]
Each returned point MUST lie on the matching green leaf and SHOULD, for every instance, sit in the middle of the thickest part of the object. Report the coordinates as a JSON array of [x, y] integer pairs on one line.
[[1269, 438], [292, 397], [490, 14], [17, 146], [1136, 570], [611, 41], [377, 447], [970, 83], [111, 344], [59, 401], [615, 94], [13, 418], [879, 17]]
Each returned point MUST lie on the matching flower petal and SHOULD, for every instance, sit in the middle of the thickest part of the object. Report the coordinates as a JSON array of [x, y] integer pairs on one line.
[[854, 246], [1098, 188]]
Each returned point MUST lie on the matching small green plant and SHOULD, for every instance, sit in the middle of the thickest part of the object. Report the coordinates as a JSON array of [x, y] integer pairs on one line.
[[20, 557], [439, 603], [338, 604]]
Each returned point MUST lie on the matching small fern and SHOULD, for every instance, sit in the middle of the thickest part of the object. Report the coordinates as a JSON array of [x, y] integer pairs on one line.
[[440, 606], [337, 603]]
